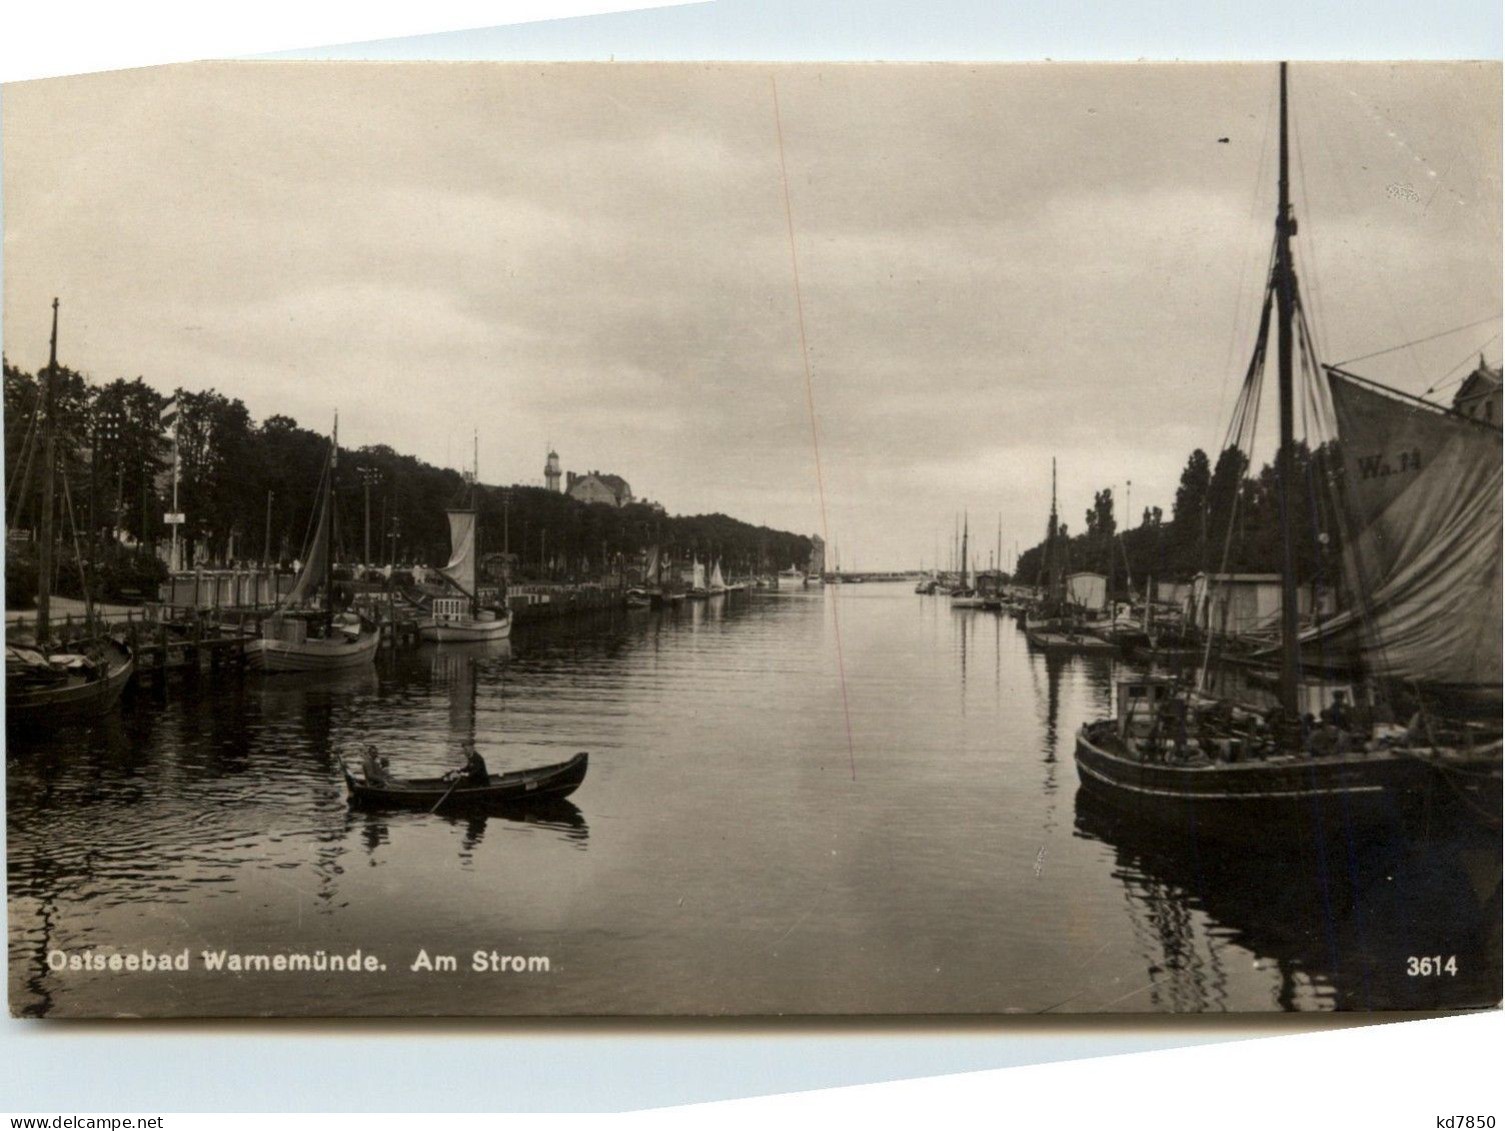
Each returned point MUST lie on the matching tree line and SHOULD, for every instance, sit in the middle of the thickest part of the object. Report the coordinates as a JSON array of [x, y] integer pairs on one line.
[[247, 494], [1224, 519]]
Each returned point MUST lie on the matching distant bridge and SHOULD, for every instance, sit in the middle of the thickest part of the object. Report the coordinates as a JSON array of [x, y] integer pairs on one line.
[[857, 578]]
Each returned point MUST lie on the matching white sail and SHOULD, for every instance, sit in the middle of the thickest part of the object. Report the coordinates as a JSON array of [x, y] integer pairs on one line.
[[717, 581], [462, 555]]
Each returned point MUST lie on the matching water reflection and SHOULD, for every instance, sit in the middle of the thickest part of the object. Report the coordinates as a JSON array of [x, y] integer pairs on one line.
[[1334, 923], [763, 830], [373, 829]]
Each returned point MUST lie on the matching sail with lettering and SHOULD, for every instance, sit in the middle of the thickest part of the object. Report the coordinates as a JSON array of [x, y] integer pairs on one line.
[[462, 554], [1421, 493]]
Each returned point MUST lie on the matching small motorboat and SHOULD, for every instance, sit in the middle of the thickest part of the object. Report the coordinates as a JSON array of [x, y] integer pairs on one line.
[[516, 787]]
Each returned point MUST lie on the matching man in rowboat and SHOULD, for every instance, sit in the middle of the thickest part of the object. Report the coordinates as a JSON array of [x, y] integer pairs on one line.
[[373, 766], [474, 771]]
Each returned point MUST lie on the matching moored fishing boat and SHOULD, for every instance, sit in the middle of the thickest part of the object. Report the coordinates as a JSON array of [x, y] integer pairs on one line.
[[964, 596], [295, 641], [43, 687], [304, 635], [1424, 529], [466, 618], [1173, 756], [1051, 622], [44, 684]]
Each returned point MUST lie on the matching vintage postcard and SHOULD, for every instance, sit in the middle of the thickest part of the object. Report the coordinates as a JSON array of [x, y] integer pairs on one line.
[[741, 539]]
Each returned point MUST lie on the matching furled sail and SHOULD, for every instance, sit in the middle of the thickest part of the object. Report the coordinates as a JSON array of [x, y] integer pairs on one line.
[[1421, 558], [462, 550], [316, 563]]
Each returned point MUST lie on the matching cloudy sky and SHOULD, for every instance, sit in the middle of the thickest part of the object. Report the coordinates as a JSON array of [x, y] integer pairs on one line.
[[999, 264]]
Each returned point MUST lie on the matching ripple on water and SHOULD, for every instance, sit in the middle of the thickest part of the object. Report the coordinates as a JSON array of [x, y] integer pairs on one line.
[[765, 828]]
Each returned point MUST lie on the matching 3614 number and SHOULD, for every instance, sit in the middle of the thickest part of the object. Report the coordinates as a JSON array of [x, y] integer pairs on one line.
[[1431, 966]]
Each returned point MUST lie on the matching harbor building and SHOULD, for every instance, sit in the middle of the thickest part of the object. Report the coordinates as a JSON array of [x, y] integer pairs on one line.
[[1245, 604], [1479, 395], [551, 473], [598, 487]]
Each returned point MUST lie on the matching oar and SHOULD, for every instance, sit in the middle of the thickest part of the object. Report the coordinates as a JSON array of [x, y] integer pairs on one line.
[[447, 792]]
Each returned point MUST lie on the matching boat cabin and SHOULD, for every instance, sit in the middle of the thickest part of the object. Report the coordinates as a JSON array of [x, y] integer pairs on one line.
[[1087, 590], [1140, 703], [451, 608]]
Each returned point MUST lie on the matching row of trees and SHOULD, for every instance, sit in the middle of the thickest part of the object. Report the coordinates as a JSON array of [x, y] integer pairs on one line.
[[247, 493], [1223, 518]]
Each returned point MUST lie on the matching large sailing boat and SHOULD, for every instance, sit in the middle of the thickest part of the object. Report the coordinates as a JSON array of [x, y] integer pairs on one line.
[[1046, 613], [44, 685], [464, 619], [964, 596], [1425, 512], [308, 635]]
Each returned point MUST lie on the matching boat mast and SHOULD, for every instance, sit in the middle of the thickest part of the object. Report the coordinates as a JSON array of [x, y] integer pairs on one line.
[[49, 457], [1050, 540], [475, 505], [328, 522], [964, 552], [1285, 299]]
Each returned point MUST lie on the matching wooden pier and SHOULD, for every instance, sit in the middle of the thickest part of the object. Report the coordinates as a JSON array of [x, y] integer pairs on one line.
[[189, 641]]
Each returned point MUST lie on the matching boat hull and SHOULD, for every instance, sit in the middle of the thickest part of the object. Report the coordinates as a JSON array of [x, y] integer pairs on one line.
[[465, 630], [1068, 642], [279, 656], [1249, 797], [76, 699], [539, 785]]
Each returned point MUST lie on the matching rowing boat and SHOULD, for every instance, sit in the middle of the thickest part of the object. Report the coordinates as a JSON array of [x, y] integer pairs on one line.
[[517, 787]]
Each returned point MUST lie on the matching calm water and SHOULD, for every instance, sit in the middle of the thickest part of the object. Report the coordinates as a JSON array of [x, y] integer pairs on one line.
[[734, 849]]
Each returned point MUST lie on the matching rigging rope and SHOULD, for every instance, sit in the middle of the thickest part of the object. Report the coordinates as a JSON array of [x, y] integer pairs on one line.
[[1240, 437], [1420, 341], [78, 554], [28, 454], [1444, 383]]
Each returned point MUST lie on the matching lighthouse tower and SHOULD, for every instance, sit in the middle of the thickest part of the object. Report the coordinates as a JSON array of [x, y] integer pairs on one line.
[[551, 473]]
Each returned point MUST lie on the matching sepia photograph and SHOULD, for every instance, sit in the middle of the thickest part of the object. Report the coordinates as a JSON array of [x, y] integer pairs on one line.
[[738, 539]]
